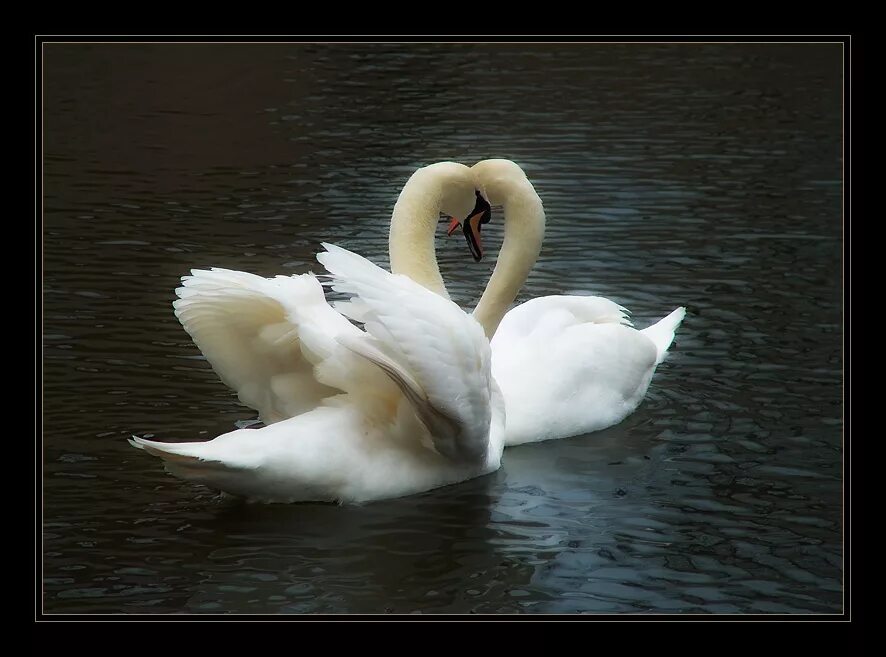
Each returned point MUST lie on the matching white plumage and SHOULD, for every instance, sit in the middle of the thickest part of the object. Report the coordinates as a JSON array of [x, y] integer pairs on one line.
[[407, 405], [565, 370], [413, 402], [248, 327]]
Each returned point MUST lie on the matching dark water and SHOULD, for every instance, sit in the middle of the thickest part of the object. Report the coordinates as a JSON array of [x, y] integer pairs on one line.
[[699, 175]]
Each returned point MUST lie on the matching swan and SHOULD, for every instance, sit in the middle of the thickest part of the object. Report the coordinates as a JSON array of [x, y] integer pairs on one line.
[[404, 406], [566, 365]]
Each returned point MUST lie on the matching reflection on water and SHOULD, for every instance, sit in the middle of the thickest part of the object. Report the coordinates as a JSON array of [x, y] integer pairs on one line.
[[706, 175]]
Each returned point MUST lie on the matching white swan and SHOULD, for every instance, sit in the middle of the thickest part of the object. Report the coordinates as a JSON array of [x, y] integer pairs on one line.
[[566, 365], [408, 405]]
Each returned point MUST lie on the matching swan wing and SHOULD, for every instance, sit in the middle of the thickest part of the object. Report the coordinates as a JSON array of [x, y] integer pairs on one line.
[[436, 353], [263, 336]]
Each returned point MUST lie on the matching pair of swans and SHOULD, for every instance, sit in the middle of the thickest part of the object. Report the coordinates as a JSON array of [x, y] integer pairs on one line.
[[421, 397]]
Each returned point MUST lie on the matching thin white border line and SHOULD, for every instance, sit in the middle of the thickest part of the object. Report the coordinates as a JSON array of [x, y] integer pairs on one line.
[[306, 40]]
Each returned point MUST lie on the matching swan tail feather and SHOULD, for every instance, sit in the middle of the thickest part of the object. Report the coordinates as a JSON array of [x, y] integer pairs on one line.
[[662, 332], [183, 452], [184, 460]]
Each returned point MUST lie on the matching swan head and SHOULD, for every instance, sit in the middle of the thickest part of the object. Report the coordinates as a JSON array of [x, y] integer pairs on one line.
[[496, 180], [459, 198], [479, 215], [453, 182]]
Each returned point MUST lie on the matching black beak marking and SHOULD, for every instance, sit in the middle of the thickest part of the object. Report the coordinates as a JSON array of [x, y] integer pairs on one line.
[[481, 214]]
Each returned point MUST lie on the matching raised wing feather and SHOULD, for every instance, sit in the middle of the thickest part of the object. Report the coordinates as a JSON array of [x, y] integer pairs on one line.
[[249, 329], [436, 353]]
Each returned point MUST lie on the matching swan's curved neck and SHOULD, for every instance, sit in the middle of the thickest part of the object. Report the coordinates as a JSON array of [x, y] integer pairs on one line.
[[413, 228], [524, 233]]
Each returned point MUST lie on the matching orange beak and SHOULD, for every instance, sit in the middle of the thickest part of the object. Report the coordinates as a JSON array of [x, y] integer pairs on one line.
[[474, 240], [481, 214]]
